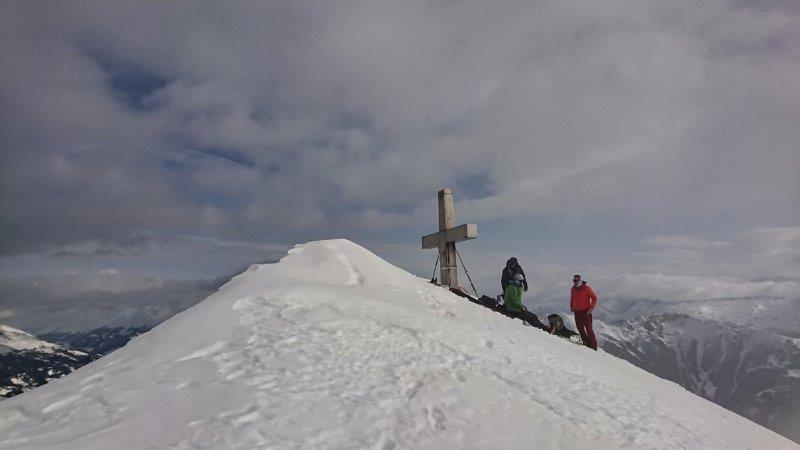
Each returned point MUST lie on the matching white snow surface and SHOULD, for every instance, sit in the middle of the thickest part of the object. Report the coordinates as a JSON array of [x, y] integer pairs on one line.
[[335, 348]]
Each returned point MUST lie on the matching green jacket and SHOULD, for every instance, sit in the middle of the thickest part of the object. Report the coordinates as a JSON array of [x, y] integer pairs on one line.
[[512, 298]]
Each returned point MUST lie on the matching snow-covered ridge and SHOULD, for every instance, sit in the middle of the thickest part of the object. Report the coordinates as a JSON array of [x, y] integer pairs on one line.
[[333, 347], [27, 362], [14, 339]]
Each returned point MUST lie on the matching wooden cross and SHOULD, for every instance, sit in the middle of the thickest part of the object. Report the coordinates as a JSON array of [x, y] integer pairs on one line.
[[445, 240]]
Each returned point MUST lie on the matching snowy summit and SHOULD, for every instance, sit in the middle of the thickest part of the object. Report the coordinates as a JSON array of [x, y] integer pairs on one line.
[[333, 347]]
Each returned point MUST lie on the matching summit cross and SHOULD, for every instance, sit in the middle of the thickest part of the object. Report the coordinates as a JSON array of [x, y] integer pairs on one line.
[[445, 240]]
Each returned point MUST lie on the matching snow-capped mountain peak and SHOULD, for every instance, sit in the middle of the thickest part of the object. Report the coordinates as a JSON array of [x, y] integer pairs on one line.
[[335, 348], [27, 362], [14, 339]]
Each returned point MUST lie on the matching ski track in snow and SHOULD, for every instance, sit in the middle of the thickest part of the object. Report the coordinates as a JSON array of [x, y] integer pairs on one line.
[[335, 348], [354, 275]]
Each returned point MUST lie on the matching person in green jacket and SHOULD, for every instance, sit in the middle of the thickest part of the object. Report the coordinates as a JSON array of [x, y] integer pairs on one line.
[[512, 301]]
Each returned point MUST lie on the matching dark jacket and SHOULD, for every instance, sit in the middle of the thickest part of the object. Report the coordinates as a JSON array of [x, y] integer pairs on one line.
[[512, 268]]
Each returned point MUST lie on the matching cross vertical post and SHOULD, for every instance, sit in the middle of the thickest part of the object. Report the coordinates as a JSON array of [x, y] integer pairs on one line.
[[445, 240], [447, 250]]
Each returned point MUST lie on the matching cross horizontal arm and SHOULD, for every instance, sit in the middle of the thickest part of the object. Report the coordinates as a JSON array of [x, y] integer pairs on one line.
[[457, 234]]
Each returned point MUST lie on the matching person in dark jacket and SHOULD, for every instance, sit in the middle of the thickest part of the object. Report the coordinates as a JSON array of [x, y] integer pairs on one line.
[[512, 301], [558, 328], [512, 268]]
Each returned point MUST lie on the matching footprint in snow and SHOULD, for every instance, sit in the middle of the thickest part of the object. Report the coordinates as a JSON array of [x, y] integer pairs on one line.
[[60, 404], [412, 391], [386, 444], [93, 378], [437, 419]]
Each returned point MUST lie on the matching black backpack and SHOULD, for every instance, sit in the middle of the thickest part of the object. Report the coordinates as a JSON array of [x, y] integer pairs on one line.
[[488, 302]]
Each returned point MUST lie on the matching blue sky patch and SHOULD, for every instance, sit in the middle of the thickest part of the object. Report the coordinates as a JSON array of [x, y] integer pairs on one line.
[[131, 83], [473, 186]]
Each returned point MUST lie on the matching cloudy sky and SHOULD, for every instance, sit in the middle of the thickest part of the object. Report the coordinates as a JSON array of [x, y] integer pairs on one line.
[[186, 140]]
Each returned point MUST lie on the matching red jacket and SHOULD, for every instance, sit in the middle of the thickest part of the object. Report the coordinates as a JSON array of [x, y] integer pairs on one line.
[[583, 298]]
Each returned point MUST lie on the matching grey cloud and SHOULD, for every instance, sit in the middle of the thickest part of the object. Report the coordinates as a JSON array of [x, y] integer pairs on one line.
[[131, 245], [283, 120], [686, 242], [761, 253], [81, 302], [773, 238]]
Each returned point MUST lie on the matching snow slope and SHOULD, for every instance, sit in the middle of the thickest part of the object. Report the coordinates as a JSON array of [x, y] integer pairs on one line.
[[335, 348], [741, 353], [753, 372]]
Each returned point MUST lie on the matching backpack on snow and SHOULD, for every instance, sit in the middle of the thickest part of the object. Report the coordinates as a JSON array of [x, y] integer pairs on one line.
[[488, 302]]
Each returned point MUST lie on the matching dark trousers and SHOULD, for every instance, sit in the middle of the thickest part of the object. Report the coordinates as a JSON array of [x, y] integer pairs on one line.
[[529, 317], [583, 320]]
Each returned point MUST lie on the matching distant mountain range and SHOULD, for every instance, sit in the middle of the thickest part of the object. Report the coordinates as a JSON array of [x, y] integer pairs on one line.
[[753, 372], [99, 341], [27, 361], [741, 353]]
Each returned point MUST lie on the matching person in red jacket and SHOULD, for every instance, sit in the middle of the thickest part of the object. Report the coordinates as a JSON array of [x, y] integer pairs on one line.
[[582, 301]]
